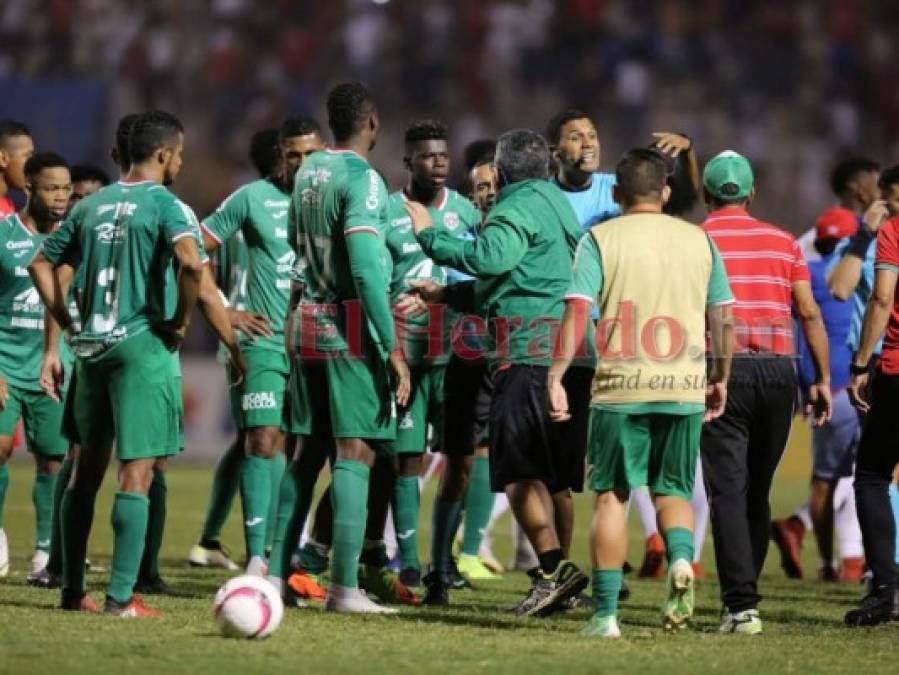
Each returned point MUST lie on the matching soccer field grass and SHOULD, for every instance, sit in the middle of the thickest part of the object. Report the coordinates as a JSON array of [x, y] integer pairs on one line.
[[803, 631]]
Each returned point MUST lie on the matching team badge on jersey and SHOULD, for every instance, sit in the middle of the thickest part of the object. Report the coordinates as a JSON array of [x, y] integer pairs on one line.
[[451, 220]]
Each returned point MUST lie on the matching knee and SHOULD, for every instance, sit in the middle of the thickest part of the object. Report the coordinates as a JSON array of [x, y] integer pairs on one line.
[[263, 442], [409, 465], [6, 448], [136, 476], [46, 466]]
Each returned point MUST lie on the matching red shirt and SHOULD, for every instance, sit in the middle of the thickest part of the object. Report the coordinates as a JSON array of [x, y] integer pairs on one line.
[[7, 207], [762, 262], [887, 257]]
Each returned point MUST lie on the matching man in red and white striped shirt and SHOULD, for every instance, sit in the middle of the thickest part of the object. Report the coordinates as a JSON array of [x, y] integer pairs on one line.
[[741, 449]]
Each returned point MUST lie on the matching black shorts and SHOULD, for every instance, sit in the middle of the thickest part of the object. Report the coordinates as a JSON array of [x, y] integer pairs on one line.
[[524, 443], [467, 390]]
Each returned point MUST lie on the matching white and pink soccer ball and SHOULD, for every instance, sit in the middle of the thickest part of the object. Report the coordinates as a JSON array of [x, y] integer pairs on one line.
[[248, 607]]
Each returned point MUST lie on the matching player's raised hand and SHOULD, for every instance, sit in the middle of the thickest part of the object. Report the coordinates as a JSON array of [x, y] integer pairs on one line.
[[421, 219], [52, 378], [400, 370], [4, 394], [671, 143], [429, 291], [251, 324], [715, 400], [556, 398], [875, 215]]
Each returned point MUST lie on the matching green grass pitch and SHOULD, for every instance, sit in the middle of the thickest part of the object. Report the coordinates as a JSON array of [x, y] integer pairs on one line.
[[802, 619]]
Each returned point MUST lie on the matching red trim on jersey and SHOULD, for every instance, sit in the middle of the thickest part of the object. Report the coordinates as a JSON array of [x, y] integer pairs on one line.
[[762, 262], [7, 206], [888, 257]]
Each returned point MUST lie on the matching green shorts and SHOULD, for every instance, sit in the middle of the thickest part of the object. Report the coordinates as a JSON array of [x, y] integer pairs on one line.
[[654, 449], [260, 401], [342, 396], [42, 417], [425, 407], [128, 395]]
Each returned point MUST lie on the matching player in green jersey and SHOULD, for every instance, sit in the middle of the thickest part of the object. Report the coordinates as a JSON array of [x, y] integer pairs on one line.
[[123, 238], [346, 349], [259, 210], [425, 339], [231, 262], [47, 185]]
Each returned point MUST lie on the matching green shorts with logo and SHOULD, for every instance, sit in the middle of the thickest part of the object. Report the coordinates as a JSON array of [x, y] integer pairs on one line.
[[343, 396], [128, 395], [425, 407], [259, 402], [42, 417], [658, 450]]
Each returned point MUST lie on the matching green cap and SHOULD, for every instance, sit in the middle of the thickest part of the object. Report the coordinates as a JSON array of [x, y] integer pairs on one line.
[[728, 177]]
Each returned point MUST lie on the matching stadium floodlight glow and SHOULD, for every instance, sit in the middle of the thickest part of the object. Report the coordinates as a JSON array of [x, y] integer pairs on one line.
[[380, 2]]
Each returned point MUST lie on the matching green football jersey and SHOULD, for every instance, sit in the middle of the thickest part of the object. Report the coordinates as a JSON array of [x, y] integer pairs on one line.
[[259, 211], [452, 213], [21, 308], [338, 195], [231, 261], [123, 237]]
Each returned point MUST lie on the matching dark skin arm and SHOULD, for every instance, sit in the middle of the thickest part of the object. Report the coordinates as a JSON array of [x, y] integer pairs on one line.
[[216, 315], [820, 402], [877, 315], [53, 375]]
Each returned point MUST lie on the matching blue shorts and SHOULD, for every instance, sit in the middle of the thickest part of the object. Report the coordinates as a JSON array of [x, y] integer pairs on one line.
[[835, 443]]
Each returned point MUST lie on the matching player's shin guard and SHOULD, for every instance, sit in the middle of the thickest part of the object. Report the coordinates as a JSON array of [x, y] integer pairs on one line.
[[478, 505], [278, 465], [130, 513], [42, 498], [149, 566], [294, 500], [54, 564], [76, 518], [406, 509], [255, 492], [349, 496], [225, 482], [444, 523], [4, 485]]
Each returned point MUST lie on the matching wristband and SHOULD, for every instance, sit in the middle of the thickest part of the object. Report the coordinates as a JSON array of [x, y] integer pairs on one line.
[[860, 242], [859, 370]]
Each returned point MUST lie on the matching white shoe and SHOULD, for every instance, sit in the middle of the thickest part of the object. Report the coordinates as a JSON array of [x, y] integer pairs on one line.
[[602, 627], [4, 554], [353, 601], [678, 608], [39, 561], [200, 556], [744, 623], [258, 566]]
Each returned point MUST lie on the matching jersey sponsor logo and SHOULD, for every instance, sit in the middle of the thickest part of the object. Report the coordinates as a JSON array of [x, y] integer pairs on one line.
[[27, 301], [374, 191], [279, 215], [277, 203], [109, 233], [399, 222], [411, 248], [253, 522], [310, 197], [20, 254], [259, 400], [405, 535], [281, 233], [17, 245], [406, 422], [285, 262], [25, 322], [451, 220], [105, 208], [21, 271]]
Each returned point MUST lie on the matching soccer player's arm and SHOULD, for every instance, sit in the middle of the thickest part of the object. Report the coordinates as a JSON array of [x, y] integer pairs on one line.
[[52, 376], [720, 318], [877, 311], [812, 323], [227, 219], [500, 247], [586, 283], [181, 235], [843, 275], [59, 247]]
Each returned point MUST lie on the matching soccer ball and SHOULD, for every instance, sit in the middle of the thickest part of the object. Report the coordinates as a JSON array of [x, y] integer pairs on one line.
[[248, 607]]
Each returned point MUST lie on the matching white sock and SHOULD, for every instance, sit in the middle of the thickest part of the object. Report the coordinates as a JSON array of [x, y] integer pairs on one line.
[[390, 535], [805, 515], [647, 512], [700, 504], [845, 520]]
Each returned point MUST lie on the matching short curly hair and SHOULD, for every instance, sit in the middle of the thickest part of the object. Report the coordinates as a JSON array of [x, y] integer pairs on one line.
[[349, 105], [426, 130]]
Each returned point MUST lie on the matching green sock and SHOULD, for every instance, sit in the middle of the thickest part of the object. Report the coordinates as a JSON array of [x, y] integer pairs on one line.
[[444, 523], [349, 496], [278, 464], [255, 492], [76, 517], [406, 509], [149, 564], [314, 557], [606, 586], [679, 544], [130, 512], [225, 482], [42, 498], [4, 484], [54, 564], [478, 505]]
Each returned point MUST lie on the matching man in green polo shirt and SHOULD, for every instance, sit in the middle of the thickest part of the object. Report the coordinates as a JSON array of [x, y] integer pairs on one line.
[[650, 391]]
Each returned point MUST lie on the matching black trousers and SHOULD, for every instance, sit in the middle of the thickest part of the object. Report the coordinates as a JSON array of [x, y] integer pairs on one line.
[[740, 452], [878, 454]]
